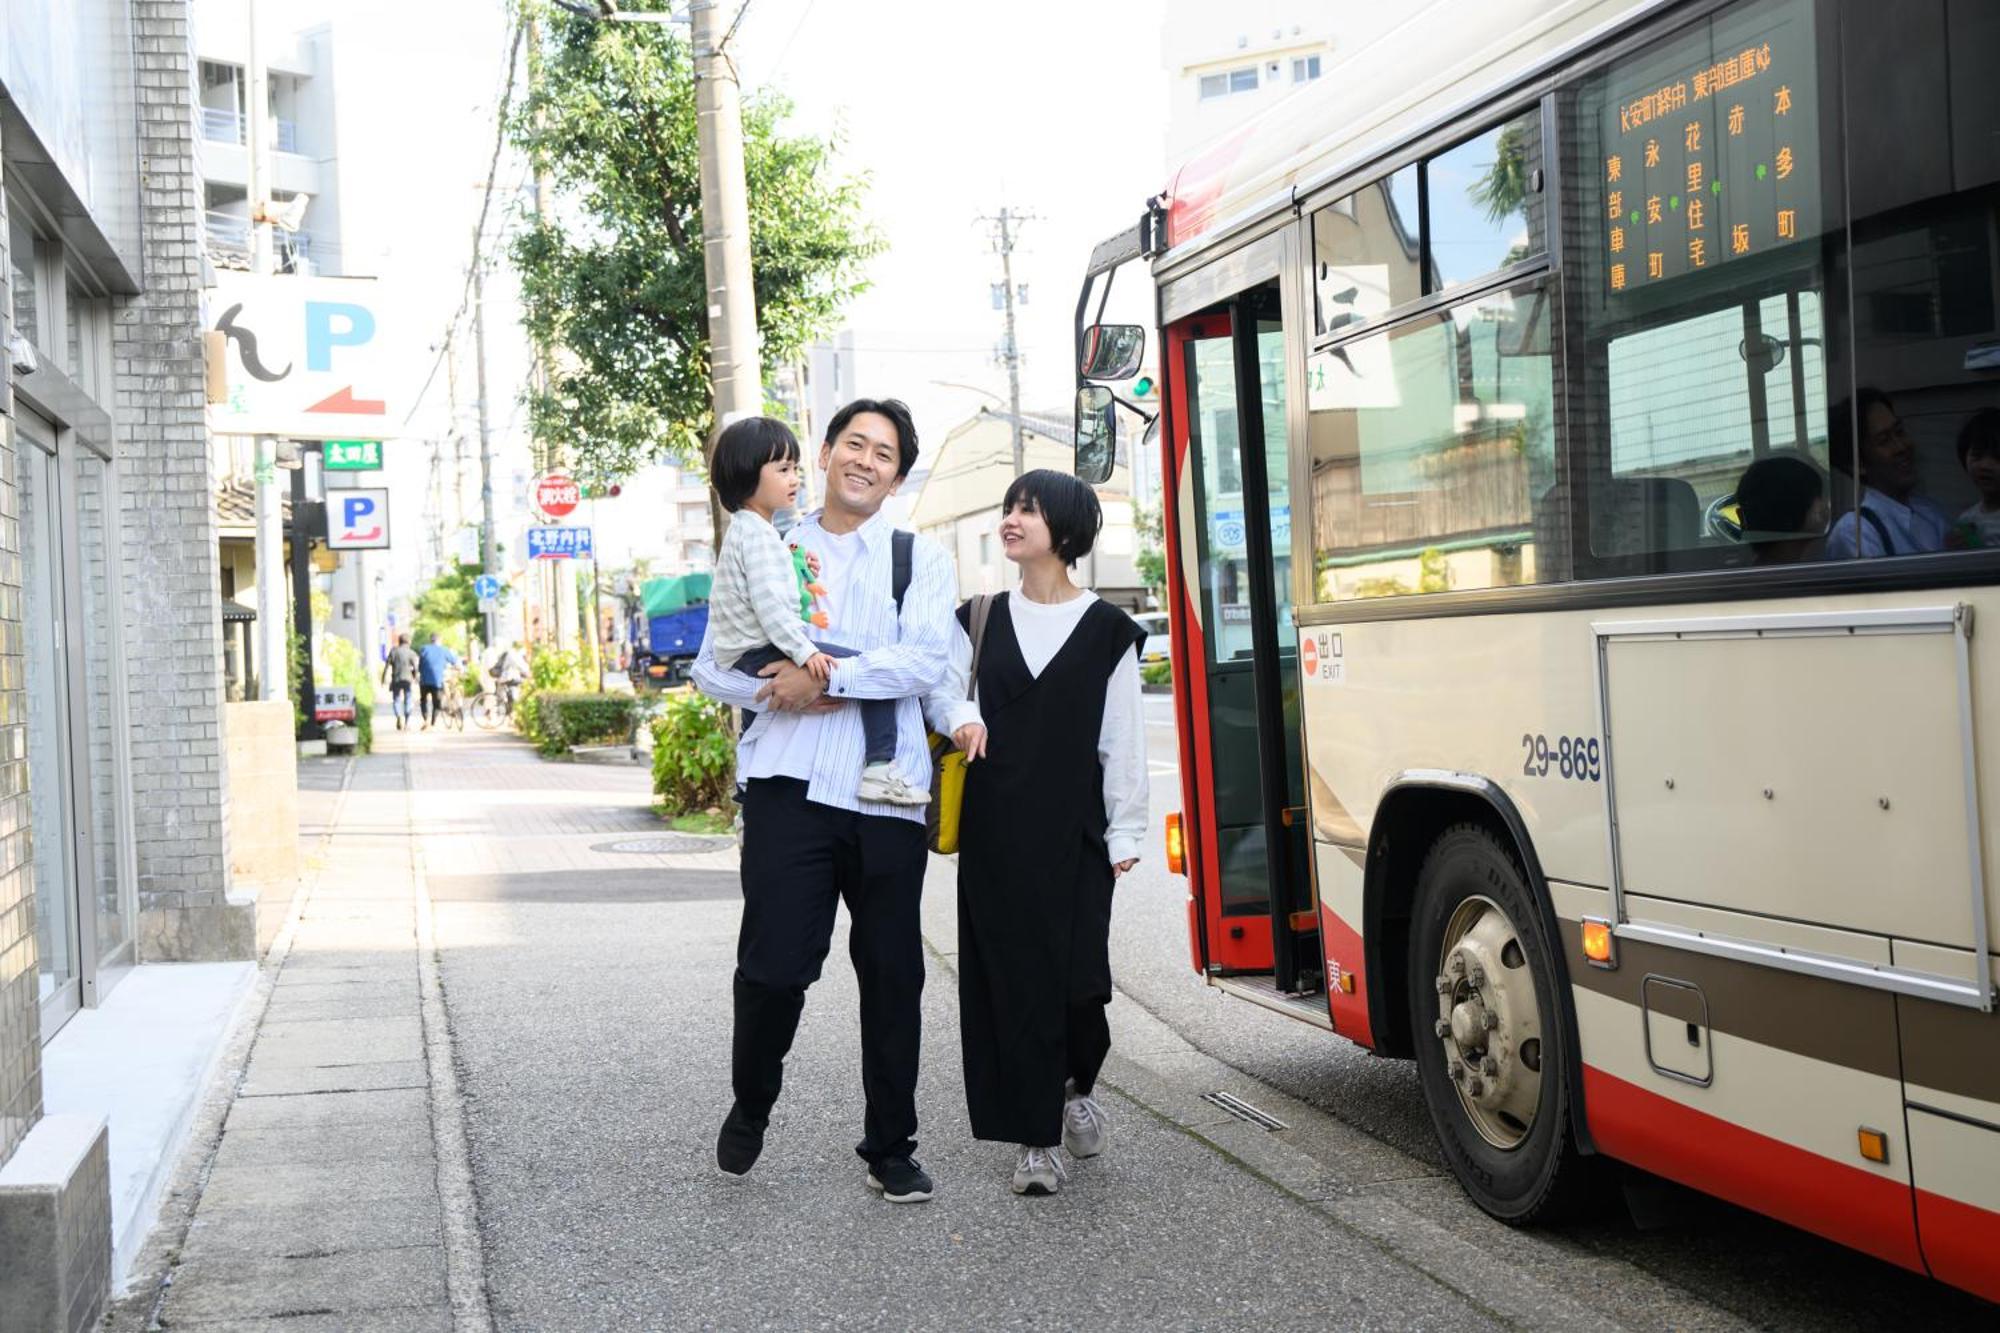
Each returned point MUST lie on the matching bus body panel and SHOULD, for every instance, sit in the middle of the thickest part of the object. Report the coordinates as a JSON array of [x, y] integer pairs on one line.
[[1342, 884]]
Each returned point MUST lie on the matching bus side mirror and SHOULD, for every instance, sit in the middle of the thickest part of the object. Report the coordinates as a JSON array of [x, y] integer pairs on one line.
[[1096, 434], [1112, 351]]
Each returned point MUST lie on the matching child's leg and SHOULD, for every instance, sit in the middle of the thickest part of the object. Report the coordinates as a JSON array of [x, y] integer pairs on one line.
[[753, 662], [878, 718]]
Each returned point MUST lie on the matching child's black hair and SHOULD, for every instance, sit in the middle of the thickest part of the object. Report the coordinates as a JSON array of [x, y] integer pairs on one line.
[[1776, 495], [740, 454], [1068, 506], [1981, 431]]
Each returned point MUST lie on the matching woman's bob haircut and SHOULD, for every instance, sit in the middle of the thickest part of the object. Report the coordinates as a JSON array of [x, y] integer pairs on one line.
[[1068, 506]]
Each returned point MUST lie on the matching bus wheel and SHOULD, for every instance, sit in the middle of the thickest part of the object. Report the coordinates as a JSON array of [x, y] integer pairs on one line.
[[1489, 1034]]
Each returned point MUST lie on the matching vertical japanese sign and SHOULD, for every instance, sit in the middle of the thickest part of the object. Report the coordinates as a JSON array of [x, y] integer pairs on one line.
[[1709, 147]]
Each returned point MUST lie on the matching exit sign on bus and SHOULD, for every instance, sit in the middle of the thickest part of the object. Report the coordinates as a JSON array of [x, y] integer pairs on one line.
[[354, 455]]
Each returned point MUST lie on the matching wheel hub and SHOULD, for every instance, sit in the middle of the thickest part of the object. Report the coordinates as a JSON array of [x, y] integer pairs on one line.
[[1489, 1023]]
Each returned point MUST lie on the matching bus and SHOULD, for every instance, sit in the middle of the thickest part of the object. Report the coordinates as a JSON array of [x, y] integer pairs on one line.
[[1581, 484]]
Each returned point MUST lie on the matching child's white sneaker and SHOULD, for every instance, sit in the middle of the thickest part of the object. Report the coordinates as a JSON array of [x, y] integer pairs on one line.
[[880, 782]]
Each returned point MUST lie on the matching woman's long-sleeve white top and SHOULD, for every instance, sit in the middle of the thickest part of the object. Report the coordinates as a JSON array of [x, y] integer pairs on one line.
[[1041, 630]]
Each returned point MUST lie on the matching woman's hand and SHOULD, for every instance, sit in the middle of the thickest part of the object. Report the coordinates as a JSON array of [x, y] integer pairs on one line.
[[971, 740], [1120, 867]]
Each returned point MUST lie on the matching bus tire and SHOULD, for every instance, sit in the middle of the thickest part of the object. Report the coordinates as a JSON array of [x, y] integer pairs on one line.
[[1490, 1035]]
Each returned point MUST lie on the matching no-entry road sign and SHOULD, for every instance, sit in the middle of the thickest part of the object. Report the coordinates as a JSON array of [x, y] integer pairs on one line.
[[556, 494], [357, 520]]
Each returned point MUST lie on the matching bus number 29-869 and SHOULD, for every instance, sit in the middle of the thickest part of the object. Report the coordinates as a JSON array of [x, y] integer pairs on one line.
[[1565, 756]]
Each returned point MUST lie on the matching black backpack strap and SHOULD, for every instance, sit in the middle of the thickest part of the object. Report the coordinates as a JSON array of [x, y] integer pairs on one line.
[[902, 558], [1873, 519]]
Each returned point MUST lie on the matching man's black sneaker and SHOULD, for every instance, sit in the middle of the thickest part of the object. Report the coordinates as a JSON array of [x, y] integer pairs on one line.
[[739, 1143], [900, 1180]]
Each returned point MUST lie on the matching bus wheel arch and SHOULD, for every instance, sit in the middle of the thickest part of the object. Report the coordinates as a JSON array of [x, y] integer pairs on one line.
[[1414, 812]]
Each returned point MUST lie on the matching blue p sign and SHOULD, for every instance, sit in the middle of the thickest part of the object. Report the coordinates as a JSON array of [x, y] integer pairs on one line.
[[357, 520], [331, 324]]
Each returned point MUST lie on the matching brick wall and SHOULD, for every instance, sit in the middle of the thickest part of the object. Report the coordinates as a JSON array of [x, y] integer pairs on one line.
[[20, 992], [173, 605]]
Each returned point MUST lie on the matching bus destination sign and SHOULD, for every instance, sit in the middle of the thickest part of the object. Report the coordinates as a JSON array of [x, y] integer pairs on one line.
[[1710, 153]]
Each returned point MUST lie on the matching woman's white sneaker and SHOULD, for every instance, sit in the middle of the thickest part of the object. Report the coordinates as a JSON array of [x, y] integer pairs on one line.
[[1084, 1123], [1039, 1171]]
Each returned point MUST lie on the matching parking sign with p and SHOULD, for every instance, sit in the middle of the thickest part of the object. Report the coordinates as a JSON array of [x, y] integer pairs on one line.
[[357, 520]]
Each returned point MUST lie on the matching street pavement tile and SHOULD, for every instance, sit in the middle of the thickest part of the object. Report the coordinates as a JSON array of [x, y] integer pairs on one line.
[[285, 1080], [432, 1319], [323, 1226], [408, 1139], [355, 1282], [345, 1182], [399, 1037], [382, 1004], [339, 1108]]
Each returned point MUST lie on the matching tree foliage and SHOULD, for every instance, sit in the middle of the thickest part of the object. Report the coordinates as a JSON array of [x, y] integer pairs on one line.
[[614, 283], [448, 607]]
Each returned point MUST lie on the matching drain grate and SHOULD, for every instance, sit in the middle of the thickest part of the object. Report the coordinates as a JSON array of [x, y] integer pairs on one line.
[[1243, 1110], [667, 843]]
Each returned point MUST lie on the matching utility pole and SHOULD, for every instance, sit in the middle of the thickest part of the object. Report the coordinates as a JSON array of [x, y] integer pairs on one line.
[[489, 561], [274, 647], [562, 617], [735, 368], [1006, 234]]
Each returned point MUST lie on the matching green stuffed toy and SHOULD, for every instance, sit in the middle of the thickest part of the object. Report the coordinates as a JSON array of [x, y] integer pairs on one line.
[[809, 590]]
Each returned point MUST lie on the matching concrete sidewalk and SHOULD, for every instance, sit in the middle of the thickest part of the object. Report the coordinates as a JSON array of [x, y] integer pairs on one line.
[[336, 1194]]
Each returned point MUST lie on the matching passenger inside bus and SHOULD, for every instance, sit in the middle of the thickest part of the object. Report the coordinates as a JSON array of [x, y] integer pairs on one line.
[[1782, 509], [1895, 519]]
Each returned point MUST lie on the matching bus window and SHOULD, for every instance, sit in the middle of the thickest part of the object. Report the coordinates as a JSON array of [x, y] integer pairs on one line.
[[1697, 329], [1923, 159], [1484, 213], [1433, 453], [1366, 253]]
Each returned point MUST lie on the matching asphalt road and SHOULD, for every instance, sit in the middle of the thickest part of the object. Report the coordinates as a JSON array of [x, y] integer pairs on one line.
[[588, 997]]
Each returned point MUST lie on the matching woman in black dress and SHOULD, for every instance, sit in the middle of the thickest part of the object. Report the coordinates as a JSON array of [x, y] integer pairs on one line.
[[1055, 804]]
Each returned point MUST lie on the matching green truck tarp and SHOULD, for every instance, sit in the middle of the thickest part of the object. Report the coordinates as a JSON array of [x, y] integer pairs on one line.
[[663, 597]]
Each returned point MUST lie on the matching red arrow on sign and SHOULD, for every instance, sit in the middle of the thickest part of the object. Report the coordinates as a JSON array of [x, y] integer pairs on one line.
[[346, 402]]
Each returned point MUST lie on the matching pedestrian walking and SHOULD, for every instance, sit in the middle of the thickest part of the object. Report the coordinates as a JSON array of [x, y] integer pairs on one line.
[[809, 839], [400, 670], [434, 665], [1054, 807]]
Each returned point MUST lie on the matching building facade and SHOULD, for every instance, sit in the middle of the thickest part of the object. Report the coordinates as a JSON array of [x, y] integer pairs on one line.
[[113, 804], [1226, 63]]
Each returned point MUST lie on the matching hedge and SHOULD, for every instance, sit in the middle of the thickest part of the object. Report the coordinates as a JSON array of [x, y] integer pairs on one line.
[[694, 754], [555, 721]]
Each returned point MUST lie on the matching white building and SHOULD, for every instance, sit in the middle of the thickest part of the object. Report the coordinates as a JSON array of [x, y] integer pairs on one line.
[[1225, 63]]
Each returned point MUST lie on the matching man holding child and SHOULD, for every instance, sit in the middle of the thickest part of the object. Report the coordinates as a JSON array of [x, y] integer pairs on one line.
[[815, 829]]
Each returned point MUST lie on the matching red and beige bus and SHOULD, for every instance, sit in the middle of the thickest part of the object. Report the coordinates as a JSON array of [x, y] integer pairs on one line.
[[1581, 480]]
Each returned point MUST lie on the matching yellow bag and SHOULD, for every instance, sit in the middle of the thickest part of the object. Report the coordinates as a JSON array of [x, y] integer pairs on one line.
[[947, 762]]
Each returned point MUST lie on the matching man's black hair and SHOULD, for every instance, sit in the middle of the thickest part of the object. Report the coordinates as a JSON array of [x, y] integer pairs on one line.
[[1775, 496], [740, 454], [1981, 431], [1068, 506], [1841, 423], [898, 413]]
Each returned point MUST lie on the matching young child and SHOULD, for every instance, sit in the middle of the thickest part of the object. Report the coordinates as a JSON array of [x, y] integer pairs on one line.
[[763, 596], [1979, 455]]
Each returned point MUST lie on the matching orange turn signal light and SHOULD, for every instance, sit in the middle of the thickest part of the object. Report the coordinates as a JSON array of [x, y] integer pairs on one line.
[[1874, 1144], [1597, 942], [1176, 847]]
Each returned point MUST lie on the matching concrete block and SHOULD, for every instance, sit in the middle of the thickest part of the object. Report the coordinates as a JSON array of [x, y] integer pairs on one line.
[[55, 1227]]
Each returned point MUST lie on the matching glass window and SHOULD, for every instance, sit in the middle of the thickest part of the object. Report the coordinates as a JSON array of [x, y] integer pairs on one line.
[[1243, 80], [1433, 454], [1485, 210], [1367, 257], [21, 279], [48, 767], [1305, 69], [1923, 170], [1698, 326]]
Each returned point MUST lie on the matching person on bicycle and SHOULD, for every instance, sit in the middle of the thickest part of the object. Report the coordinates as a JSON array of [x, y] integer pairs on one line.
[[433, 662], [511, 672]]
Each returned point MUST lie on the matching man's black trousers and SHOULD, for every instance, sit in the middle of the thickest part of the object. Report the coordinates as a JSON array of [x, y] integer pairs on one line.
[[799, 857]]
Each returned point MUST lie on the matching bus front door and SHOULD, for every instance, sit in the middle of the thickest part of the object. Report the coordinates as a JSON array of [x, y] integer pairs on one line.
[[1237, 648]]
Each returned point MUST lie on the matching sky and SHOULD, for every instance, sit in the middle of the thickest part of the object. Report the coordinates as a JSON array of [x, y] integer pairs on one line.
[[1052, 109]]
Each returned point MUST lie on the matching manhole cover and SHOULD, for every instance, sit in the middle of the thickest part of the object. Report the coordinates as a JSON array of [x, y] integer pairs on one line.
[[667, 843]]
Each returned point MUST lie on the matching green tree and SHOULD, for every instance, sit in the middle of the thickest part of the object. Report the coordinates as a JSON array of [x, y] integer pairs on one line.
[[1151, 562], [614, 283], [448, 607], [1503, 191]]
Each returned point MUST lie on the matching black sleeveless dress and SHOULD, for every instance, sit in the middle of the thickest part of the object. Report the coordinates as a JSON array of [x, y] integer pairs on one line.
[[1034, 884]]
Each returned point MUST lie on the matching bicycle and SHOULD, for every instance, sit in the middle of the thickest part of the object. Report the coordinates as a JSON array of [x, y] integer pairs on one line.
[[495, 707]]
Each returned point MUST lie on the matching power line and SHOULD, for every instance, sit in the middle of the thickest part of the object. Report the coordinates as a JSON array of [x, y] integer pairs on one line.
[[485, 205], [786, 49]]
